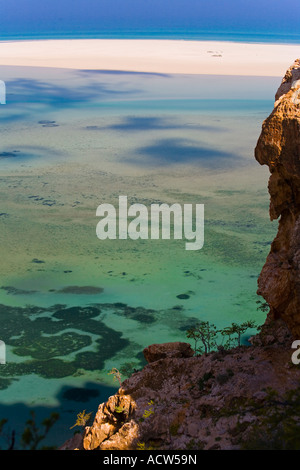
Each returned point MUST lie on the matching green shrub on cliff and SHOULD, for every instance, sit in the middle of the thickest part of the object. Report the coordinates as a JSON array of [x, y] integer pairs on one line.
[[82, 419], [236, 330], [205, 333]]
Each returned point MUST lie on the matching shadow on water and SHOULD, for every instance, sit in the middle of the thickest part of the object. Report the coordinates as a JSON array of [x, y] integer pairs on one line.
[[180, 151], [71, 401], [146, 123], [28, 152], [25, 90], [124, 72]]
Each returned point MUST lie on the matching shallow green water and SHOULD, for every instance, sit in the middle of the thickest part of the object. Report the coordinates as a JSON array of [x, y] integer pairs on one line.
[[72, 306]]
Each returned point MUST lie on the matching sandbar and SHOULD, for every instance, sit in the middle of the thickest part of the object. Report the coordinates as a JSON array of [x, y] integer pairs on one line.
[[152, 56]]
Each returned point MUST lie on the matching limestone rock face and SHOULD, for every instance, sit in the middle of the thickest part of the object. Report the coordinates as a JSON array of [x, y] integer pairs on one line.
[[291, 75], [112, 427], [279, 147]]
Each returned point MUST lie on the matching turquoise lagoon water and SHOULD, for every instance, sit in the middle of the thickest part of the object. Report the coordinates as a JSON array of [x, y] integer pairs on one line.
[[250, 36], [72, 306]]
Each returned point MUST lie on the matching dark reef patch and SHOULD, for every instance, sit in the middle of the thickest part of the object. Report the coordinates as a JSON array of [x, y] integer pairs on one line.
[[51, 346], [43, 201], [183, 296], [93, 128], [76, 314], [139, 314], [60, 341], [15, 291], [87, 290], [38, 334], [46, 123], [4, 383], [12, 154]]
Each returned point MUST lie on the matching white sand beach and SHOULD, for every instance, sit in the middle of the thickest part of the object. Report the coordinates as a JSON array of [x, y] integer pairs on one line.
[[154, 56]]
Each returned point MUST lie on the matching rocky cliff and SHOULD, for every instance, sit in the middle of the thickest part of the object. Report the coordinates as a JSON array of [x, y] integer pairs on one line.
[[279, 147], [223, 400], [246, 397]]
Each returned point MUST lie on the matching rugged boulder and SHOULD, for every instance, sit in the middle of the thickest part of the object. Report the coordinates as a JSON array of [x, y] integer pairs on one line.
[[154, 352]]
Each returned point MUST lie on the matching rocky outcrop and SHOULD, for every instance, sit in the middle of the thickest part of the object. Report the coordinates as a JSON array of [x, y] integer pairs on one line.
[[279, 148], [206, 402]]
